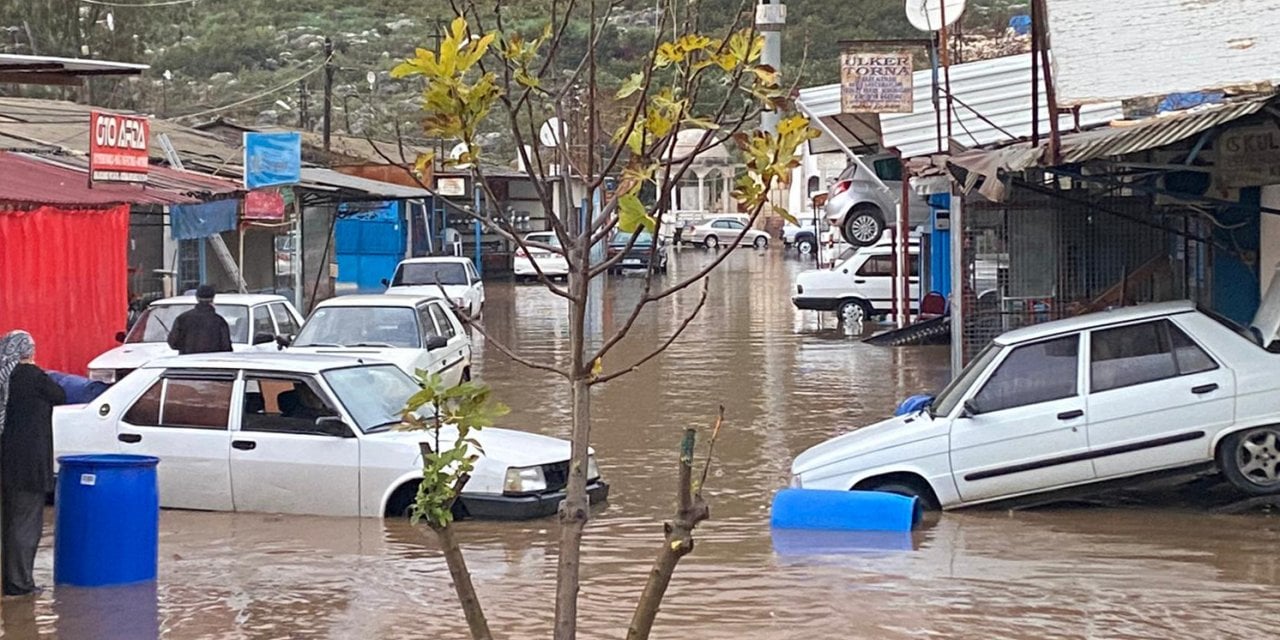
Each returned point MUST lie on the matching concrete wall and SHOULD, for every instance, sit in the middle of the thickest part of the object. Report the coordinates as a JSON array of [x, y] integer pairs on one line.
[[1269, 240]]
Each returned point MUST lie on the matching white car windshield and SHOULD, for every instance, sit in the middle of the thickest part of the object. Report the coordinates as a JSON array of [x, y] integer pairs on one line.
[[155, 323], [360, 327], [950, 396], [373, 395], [549, 239], [427, 273]]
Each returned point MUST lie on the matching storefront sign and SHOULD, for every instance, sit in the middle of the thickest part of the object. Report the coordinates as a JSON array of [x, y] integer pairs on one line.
[[272, 159], [1248, 156], [118, 147], [264, 204], [876, 82], [451, 187]]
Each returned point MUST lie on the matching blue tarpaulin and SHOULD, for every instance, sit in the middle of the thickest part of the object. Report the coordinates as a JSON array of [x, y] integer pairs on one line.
[[272, 159], [190, 221]]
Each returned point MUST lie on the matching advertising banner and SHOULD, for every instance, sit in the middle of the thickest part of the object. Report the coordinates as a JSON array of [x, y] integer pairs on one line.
[[876, 82], [118, 147], [272, 159]]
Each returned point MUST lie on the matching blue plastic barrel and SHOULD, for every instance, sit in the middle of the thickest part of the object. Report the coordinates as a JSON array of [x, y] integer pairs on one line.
[[107, 521], [844, 510]]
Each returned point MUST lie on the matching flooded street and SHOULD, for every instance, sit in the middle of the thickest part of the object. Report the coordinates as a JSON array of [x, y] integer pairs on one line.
[[786, 383]]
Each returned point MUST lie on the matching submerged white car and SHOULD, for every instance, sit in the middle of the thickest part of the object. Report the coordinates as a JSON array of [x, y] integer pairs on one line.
[[552, 265], [301, 434], [1048, 410], [427, 276], [411, 332], [256, 322]]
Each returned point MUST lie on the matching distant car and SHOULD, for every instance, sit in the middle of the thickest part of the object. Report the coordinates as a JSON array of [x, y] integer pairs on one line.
[[805, 236], [411, 332], [552, 265], [860, 284], [256, 322], [426, 277], [1054, 409], [721, 230], [300, 434], [860, 209], [640, 254]]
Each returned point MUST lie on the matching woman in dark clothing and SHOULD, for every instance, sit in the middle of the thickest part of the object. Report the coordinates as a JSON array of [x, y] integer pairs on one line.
[[27, 398]]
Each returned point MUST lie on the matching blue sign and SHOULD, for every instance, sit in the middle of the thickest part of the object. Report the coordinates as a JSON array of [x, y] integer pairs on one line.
[[272, 159]]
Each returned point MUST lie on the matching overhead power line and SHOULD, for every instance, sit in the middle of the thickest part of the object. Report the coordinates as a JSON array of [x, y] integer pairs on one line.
[[258, 96], [155, 3]]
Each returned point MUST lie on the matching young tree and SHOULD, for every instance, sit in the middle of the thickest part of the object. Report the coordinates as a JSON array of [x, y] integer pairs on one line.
[[711, 84]]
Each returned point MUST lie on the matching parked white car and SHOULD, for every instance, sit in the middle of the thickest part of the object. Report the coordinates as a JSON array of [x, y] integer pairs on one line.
[[552, 265], [256, 321], [426, 276], [721, 230], [860, 284], [411, 332], [1055, 409], [289, 433]]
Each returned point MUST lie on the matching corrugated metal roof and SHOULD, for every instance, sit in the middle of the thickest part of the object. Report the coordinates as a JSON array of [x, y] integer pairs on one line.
[[999, 89], [374, 188], [858, 131], [195, 186], [31, 180], [15, 62]]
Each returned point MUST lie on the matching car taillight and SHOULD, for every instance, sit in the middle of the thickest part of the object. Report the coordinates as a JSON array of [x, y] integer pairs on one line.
[[521, 254], [840, 187]]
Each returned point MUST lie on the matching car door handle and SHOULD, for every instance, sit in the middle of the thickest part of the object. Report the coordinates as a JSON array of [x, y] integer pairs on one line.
[[1204, 388], [131, 438], [244, 445], [859, 281], [1070, 415]]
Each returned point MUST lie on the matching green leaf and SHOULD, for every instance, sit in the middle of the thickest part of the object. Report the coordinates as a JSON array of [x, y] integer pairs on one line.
[[632, 214], [631, 85]]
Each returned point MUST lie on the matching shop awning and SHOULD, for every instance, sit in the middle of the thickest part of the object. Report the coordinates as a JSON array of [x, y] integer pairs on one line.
[[67, 71], [64, 180]]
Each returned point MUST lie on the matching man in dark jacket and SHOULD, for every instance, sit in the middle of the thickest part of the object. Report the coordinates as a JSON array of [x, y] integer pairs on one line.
[[201, 330]]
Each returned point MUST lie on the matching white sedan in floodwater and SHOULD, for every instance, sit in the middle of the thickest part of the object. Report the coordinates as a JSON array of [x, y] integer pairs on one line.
[[302, 434], [1053, 409]]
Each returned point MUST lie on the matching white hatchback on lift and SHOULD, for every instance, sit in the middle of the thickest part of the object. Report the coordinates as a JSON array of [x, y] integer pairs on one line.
[[412, 332], [860, 284], [427, 276]]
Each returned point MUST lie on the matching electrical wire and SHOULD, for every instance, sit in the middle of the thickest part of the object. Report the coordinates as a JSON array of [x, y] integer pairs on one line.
[[262, 95], [140, 5]]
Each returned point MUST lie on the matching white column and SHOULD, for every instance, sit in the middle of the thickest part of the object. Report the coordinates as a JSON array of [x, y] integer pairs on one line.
[[702, 192], [1269, 242]]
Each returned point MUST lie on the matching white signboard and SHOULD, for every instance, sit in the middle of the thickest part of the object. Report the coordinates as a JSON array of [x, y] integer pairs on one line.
[[1113, 49], [1248, 156], [451, 187], [875, 82]]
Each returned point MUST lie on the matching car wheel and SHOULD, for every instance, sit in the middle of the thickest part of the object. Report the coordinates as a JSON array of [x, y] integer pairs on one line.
[[863, 226], [711, 242], [924, 498], [854, 312], [760, 242], [466, 374], [1250, 460], [804, 246]]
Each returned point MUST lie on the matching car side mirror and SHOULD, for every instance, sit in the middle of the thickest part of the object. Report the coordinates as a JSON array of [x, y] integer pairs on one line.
[[263, 338], [120, 337], [385, 282], [284, 341], [436, 342], [970, 409], [334, 426]]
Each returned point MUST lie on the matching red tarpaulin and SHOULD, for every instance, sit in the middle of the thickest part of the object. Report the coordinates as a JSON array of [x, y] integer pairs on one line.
[[63, 277]]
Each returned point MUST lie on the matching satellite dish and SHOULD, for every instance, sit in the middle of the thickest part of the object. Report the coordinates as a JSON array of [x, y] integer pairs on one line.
[[551, 132], [371, 78], [457, 151], [926, 15]]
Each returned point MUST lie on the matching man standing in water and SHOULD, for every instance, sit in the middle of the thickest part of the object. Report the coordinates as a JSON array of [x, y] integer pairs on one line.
[[201, 330]]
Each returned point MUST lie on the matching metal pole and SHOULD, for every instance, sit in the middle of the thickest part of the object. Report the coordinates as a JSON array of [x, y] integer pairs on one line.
[[297, 252], [1035, 76], [328, 90], [959, 280], [1049, 93], [771, 15], [903, 247], [946, 63], [475, 189]]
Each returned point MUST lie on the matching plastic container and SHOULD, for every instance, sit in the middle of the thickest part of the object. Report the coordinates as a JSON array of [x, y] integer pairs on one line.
[[844, 510], [107, 520]]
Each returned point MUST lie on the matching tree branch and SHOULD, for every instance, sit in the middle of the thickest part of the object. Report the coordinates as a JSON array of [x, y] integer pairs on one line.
[[510, 353], [702, 301]]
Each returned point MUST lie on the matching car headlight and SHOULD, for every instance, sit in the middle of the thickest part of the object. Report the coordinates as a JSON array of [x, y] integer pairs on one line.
[[107, 376], [796, 483], [524, 480], [593, 470]]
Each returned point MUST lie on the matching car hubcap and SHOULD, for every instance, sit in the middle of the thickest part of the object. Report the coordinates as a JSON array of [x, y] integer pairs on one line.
[[1258, 455], [864, 228], [806, 247], [713, 242], [852, 313], [760, 242]]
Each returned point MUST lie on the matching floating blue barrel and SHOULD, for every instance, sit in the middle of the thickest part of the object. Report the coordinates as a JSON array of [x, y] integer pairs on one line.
[[913, 404], [844, 510], [107, 521]]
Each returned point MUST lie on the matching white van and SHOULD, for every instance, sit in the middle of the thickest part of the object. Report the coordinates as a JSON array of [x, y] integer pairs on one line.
[[860, 285]]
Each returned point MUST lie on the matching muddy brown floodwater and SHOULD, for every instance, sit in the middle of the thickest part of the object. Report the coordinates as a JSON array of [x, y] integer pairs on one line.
[[787, 382]]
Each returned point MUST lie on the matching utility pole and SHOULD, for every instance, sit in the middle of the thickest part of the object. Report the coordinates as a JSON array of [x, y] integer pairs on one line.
[[302, 106], [771, 16], [328, 91]]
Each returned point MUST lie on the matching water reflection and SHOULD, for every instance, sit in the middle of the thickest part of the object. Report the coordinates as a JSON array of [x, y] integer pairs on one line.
[[787, 382]]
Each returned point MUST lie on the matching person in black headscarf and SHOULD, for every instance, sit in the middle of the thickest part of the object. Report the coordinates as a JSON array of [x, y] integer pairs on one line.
[[27, 398], [201, 330]]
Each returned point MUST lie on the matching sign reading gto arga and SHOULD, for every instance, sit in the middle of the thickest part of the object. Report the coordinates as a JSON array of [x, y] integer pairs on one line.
[[118, 147]]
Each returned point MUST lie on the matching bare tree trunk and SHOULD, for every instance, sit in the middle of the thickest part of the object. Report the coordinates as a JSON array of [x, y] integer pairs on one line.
[[575, 509], [690, 510], [461, 577]]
